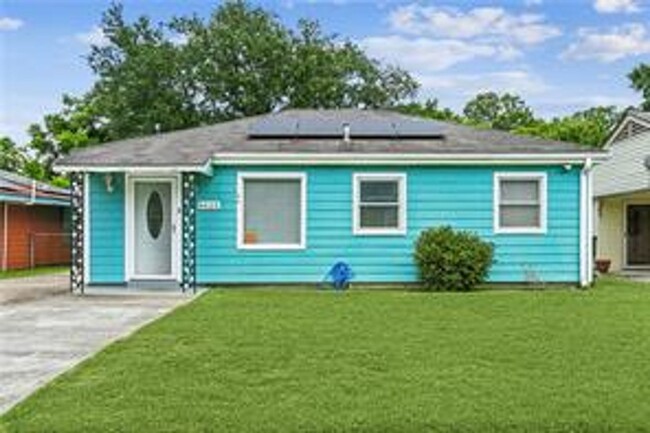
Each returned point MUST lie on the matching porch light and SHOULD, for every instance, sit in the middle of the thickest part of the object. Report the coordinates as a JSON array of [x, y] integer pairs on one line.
[[108, 181]]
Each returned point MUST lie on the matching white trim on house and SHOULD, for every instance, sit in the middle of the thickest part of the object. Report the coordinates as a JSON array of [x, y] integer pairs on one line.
[[586, 224], [402, 203], [241, 178], [541, 178], [86, 224], [590, 222], [155, 170], [350, 158], [129, 226]]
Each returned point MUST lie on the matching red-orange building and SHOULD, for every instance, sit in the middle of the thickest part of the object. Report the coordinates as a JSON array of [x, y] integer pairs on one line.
[[34, 223]]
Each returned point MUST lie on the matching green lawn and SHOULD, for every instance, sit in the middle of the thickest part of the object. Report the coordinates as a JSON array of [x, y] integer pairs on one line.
[[41, 270], [299, 360]]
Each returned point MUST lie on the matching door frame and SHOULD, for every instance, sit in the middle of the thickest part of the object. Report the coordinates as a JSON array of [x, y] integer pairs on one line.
[[626, 205], [129, 224]]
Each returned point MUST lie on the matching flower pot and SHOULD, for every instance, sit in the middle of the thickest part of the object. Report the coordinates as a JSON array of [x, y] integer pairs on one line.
[[602, 265]]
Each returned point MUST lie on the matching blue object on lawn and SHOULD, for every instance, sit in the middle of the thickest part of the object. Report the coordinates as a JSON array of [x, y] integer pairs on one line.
[[340, 275]]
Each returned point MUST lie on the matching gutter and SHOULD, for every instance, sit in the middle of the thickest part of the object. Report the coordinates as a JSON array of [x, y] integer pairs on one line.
[[205, 168], [349, 158]]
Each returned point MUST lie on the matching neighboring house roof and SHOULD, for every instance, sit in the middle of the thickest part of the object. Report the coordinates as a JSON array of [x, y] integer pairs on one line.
[[20, 189], [193, 149], [633, 122]]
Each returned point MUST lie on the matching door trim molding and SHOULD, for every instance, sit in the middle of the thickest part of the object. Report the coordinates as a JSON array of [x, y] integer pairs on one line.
[[129, 225], [626, 205]]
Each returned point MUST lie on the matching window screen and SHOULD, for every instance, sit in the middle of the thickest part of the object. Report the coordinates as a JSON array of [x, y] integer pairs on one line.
[[272, 213], [379, 204], [520, 204]]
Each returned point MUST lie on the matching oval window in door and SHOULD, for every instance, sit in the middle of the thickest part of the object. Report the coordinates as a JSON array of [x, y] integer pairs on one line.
[[154, 214]]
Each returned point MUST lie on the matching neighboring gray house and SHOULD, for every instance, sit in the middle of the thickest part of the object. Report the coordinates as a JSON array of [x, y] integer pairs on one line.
[[622, 195]]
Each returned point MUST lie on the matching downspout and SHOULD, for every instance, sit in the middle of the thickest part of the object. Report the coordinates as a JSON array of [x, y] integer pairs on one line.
[[5, 235], [32, 198], [587, 226]]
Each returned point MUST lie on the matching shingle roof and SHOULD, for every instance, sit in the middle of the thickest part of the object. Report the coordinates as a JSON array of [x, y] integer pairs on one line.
[[195, 147], [15, 187]]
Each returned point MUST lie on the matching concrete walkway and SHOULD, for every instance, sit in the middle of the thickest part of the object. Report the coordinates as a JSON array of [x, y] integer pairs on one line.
[[39, 339], [30, 288]]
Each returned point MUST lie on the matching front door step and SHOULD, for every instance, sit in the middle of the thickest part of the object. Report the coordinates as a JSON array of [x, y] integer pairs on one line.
[[153, 285]]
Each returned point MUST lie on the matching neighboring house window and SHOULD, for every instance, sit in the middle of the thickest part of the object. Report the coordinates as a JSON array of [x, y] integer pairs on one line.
[[520, 203], [379, 204], [271, 211]]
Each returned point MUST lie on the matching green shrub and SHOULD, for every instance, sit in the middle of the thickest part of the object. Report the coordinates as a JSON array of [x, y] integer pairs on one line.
[[452, 260]]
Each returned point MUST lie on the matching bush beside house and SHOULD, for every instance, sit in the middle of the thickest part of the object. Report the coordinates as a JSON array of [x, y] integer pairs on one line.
[[450, 260]]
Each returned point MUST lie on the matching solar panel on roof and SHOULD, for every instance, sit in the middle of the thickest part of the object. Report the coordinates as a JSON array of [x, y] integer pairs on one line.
[[372, 128], [316, 126], [273, 126], [417, 128], [320, 127]]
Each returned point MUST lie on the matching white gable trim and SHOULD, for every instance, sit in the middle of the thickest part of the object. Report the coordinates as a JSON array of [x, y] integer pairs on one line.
[[622, 125]]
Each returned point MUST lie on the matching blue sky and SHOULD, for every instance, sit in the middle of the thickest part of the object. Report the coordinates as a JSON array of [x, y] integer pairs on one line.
[[559, 55]]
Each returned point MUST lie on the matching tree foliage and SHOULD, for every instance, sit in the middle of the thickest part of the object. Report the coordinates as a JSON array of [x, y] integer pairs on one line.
[[11, 157], [505, 112], [640, 81], [430, 109], [240, 62], [589, 127], [141, 81]]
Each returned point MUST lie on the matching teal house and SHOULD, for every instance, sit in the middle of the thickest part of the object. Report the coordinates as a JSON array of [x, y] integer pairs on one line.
[[280, 198]]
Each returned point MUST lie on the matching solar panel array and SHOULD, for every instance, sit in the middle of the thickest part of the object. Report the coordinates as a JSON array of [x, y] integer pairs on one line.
[[278, 126]]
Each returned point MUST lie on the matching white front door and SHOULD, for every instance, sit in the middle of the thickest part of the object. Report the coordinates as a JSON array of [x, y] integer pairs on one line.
[[153, 228]]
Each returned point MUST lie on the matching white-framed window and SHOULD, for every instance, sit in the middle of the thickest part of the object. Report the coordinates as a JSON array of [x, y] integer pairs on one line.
[[271, 211], [379, 203], [520, 202]]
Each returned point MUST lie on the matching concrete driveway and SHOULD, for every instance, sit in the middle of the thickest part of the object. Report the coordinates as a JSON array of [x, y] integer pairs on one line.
[[39, 339], [29, 288]]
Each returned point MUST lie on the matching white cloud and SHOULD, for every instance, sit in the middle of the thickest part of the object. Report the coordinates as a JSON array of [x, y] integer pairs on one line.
[[424, 54], [608, 46], [8, 24], [615, 6], [525, 29], [94, 36]]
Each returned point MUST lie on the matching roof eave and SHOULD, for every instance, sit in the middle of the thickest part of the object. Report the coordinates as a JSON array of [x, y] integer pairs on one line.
[[407, 158], [205, 168]]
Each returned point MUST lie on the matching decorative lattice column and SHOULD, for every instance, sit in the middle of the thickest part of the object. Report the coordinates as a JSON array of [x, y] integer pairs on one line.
[[77, 204], [188, 281]]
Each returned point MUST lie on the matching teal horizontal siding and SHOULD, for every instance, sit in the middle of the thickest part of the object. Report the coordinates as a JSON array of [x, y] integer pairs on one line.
[[458, 196], [106, 230]]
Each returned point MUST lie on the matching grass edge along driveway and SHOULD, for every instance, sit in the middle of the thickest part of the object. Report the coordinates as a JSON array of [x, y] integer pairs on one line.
[[301, 360]]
